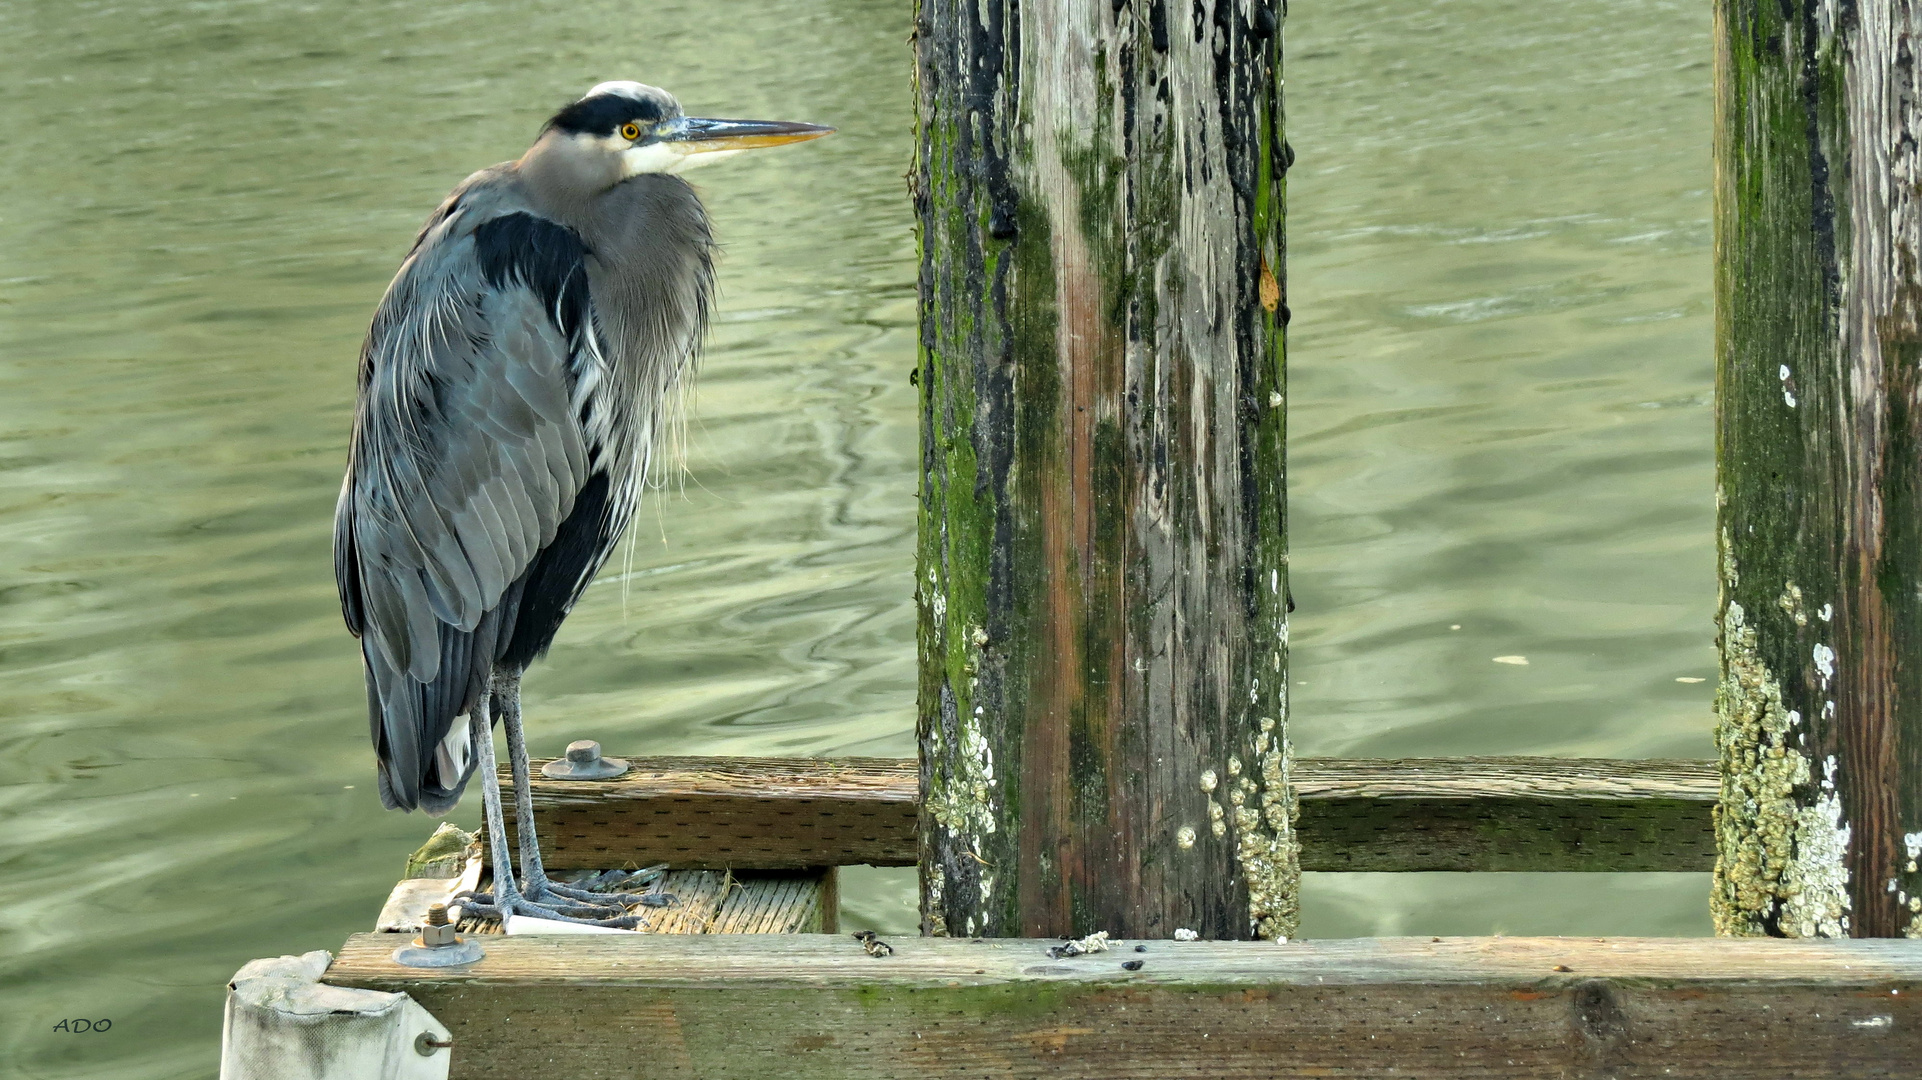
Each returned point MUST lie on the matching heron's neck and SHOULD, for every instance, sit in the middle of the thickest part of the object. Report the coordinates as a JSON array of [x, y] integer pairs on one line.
[[564, 178]]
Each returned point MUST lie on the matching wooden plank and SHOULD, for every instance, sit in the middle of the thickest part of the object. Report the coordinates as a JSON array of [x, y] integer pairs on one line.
[[1582, 780], [1577, 814], [743, 813], [1517, 814], [797, 1007]]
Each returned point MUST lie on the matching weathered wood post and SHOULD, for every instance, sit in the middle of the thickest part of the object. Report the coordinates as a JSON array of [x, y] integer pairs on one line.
[[1102, 571], [1819, 424]]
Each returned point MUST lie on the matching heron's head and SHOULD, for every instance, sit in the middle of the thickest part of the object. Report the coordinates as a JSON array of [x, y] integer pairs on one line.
[[625, 129]]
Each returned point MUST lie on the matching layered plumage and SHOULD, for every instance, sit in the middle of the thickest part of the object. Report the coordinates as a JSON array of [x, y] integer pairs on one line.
[[513, 387]]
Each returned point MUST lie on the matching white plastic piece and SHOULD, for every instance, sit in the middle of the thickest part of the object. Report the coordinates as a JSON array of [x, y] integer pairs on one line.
[[283, 1023]]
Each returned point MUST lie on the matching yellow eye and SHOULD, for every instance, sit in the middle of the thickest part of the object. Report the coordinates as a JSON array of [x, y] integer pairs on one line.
[[630, 131]]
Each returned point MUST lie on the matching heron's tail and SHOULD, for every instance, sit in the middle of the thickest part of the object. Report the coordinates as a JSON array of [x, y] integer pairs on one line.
[[420, 729]]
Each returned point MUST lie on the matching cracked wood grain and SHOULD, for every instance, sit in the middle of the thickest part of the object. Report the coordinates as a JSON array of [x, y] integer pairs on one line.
[[1102, 571]]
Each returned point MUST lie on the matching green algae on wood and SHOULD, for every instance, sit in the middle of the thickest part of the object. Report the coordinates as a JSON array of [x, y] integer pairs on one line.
[[1102, 571], [444, 855], [1818, 212]]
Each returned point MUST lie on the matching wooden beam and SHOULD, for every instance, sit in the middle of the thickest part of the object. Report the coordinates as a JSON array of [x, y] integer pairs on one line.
[[743, 813], [1356, 814], [1102, 564], [1535, 814], [1818, 250], [797, 1007]]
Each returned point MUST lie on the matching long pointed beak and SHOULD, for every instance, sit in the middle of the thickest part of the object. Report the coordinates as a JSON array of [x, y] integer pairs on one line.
[[693, 135]]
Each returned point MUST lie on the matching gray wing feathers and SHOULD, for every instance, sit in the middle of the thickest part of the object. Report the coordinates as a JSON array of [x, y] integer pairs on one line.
[[466, 459]]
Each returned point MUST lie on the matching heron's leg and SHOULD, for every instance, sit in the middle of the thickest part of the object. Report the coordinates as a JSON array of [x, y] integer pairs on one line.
[[534, 879], [507, 694], [481, 737], [506, 897]]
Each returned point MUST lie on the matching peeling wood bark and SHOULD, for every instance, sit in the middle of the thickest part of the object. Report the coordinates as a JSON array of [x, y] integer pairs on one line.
[[1819, 447], [1102, 572]]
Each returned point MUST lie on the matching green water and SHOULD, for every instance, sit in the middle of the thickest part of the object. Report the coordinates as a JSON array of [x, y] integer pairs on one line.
[[1500, 372]]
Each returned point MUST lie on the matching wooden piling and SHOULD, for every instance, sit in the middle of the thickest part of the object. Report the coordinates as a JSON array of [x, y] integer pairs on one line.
[[1819, 451], [1102, 572]]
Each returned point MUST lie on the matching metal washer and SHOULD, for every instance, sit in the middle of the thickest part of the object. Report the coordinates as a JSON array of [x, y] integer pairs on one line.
[[463, 951]]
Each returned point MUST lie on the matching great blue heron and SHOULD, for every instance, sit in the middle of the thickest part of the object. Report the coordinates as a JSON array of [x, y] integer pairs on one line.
[[513, 387]]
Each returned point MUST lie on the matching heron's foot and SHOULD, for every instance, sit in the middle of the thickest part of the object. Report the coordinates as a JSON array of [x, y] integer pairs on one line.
[[558, 909], [572, 903], [589, 892], [624, 899], [540, 894]]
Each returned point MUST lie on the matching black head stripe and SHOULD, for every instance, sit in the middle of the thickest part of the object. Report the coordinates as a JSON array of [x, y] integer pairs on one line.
[[603, 114]]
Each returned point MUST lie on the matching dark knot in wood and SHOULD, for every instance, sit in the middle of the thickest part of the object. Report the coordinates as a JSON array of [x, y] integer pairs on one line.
[[1601, 1028]]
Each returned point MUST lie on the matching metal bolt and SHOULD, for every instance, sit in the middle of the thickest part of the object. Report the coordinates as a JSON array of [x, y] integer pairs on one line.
[[584, 762], [439, 945], [425, 1044], [437, 934]]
